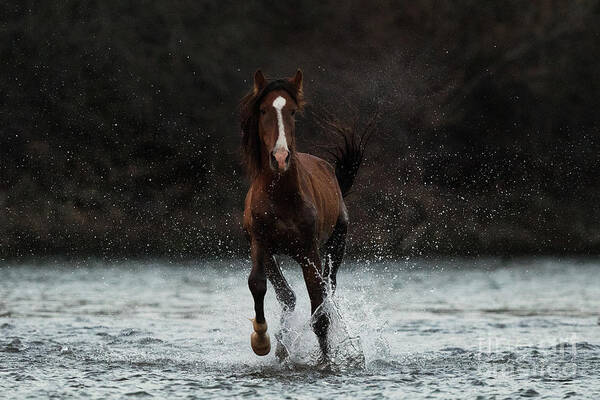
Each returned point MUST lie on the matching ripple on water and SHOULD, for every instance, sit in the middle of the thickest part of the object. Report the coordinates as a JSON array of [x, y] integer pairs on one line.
[[528, 393], [183, 334], [149, 340], [139, 393], [14, 346]]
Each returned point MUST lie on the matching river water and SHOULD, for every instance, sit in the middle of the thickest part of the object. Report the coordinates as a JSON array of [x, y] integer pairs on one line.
[[479, 329]]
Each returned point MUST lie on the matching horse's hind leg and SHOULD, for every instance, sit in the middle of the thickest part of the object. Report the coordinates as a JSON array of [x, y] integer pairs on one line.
[[315, 284], [335, 247]]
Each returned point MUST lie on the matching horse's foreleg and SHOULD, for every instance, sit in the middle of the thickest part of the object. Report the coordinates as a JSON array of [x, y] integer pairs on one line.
[[257, 282], [283, 291], [315, 284], [287, 300]]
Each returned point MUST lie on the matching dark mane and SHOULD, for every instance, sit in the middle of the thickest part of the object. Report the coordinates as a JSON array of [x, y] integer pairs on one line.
[[249, 110]]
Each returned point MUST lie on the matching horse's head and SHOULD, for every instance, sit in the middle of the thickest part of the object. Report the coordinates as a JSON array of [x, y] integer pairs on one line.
[[276, 120], [272, 124]]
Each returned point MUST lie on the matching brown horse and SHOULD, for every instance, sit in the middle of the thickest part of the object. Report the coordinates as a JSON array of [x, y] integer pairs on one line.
[[295, 204]]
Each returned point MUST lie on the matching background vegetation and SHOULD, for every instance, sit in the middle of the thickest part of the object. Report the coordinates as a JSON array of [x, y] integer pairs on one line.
[[119, 132]]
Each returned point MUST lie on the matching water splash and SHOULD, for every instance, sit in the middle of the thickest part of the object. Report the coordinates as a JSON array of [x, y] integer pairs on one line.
[[354, 336]]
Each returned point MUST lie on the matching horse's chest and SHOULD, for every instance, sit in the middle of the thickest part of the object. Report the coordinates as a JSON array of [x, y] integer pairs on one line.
[[284, 229]]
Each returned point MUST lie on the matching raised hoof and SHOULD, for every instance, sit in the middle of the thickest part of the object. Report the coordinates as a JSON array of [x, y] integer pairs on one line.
[[259, 340]]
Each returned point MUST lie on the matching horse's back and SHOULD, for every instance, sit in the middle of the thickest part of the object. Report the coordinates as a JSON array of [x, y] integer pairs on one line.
[[321, 189]]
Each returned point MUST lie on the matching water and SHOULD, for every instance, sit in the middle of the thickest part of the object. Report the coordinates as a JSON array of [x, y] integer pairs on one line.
[[415, 329]]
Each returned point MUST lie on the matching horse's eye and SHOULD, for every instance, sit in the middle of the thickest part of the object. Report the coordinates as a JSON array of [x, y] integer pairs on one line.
[[263, 111], [293, 112]]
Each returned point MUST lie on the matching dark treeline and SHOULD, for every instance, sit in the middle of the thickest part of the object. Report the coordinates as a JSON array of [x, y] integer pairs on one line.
[[119, 131]]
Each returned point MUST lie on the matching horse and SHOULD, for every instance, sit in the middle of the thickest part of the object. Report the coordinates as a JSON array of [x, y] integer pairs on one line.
[[295, 203]]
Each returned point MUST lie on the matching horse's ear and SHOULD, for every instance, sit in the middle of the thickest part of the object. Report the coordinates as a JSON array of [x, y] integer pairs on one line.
[[259, 81], [297, 80]]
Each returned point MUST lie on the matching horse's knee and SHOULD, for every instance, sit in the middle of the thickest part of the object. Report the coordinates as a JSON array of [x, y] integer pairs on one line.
[[287, 298], [257, 283]]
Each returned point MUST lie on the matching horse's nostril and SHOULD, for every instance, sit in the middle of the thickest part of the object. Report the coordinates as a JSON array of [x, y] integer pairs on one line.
[[280, 159]]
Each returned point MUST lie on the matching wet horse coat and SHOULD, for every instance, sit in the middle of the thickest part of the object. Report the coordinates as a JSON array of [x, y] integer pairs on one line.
[[294, 206]]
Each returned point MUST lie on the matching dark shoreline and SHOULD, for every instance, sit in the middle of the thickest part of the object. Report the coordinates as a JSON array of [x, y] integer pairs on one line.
[[120, 132]]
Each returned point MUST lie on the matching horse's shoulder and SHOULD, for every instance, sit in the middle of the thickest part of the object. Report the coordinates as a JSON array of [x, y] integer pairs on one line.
[[255, 206], [312, 163]]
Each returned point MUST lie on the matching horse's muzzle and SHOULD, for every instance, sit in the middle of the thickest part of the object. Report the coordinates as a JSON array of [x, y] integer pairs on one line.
[[280, 160]]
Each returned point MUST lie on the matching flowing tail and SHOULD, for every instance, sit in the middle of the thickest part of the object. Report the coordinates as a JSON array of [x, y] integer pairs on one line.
[[347, 155]]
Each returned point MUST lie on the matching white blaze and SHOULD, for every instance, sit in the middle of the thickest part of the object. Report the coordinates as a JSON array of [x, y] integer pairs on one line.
[[278, 104]]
